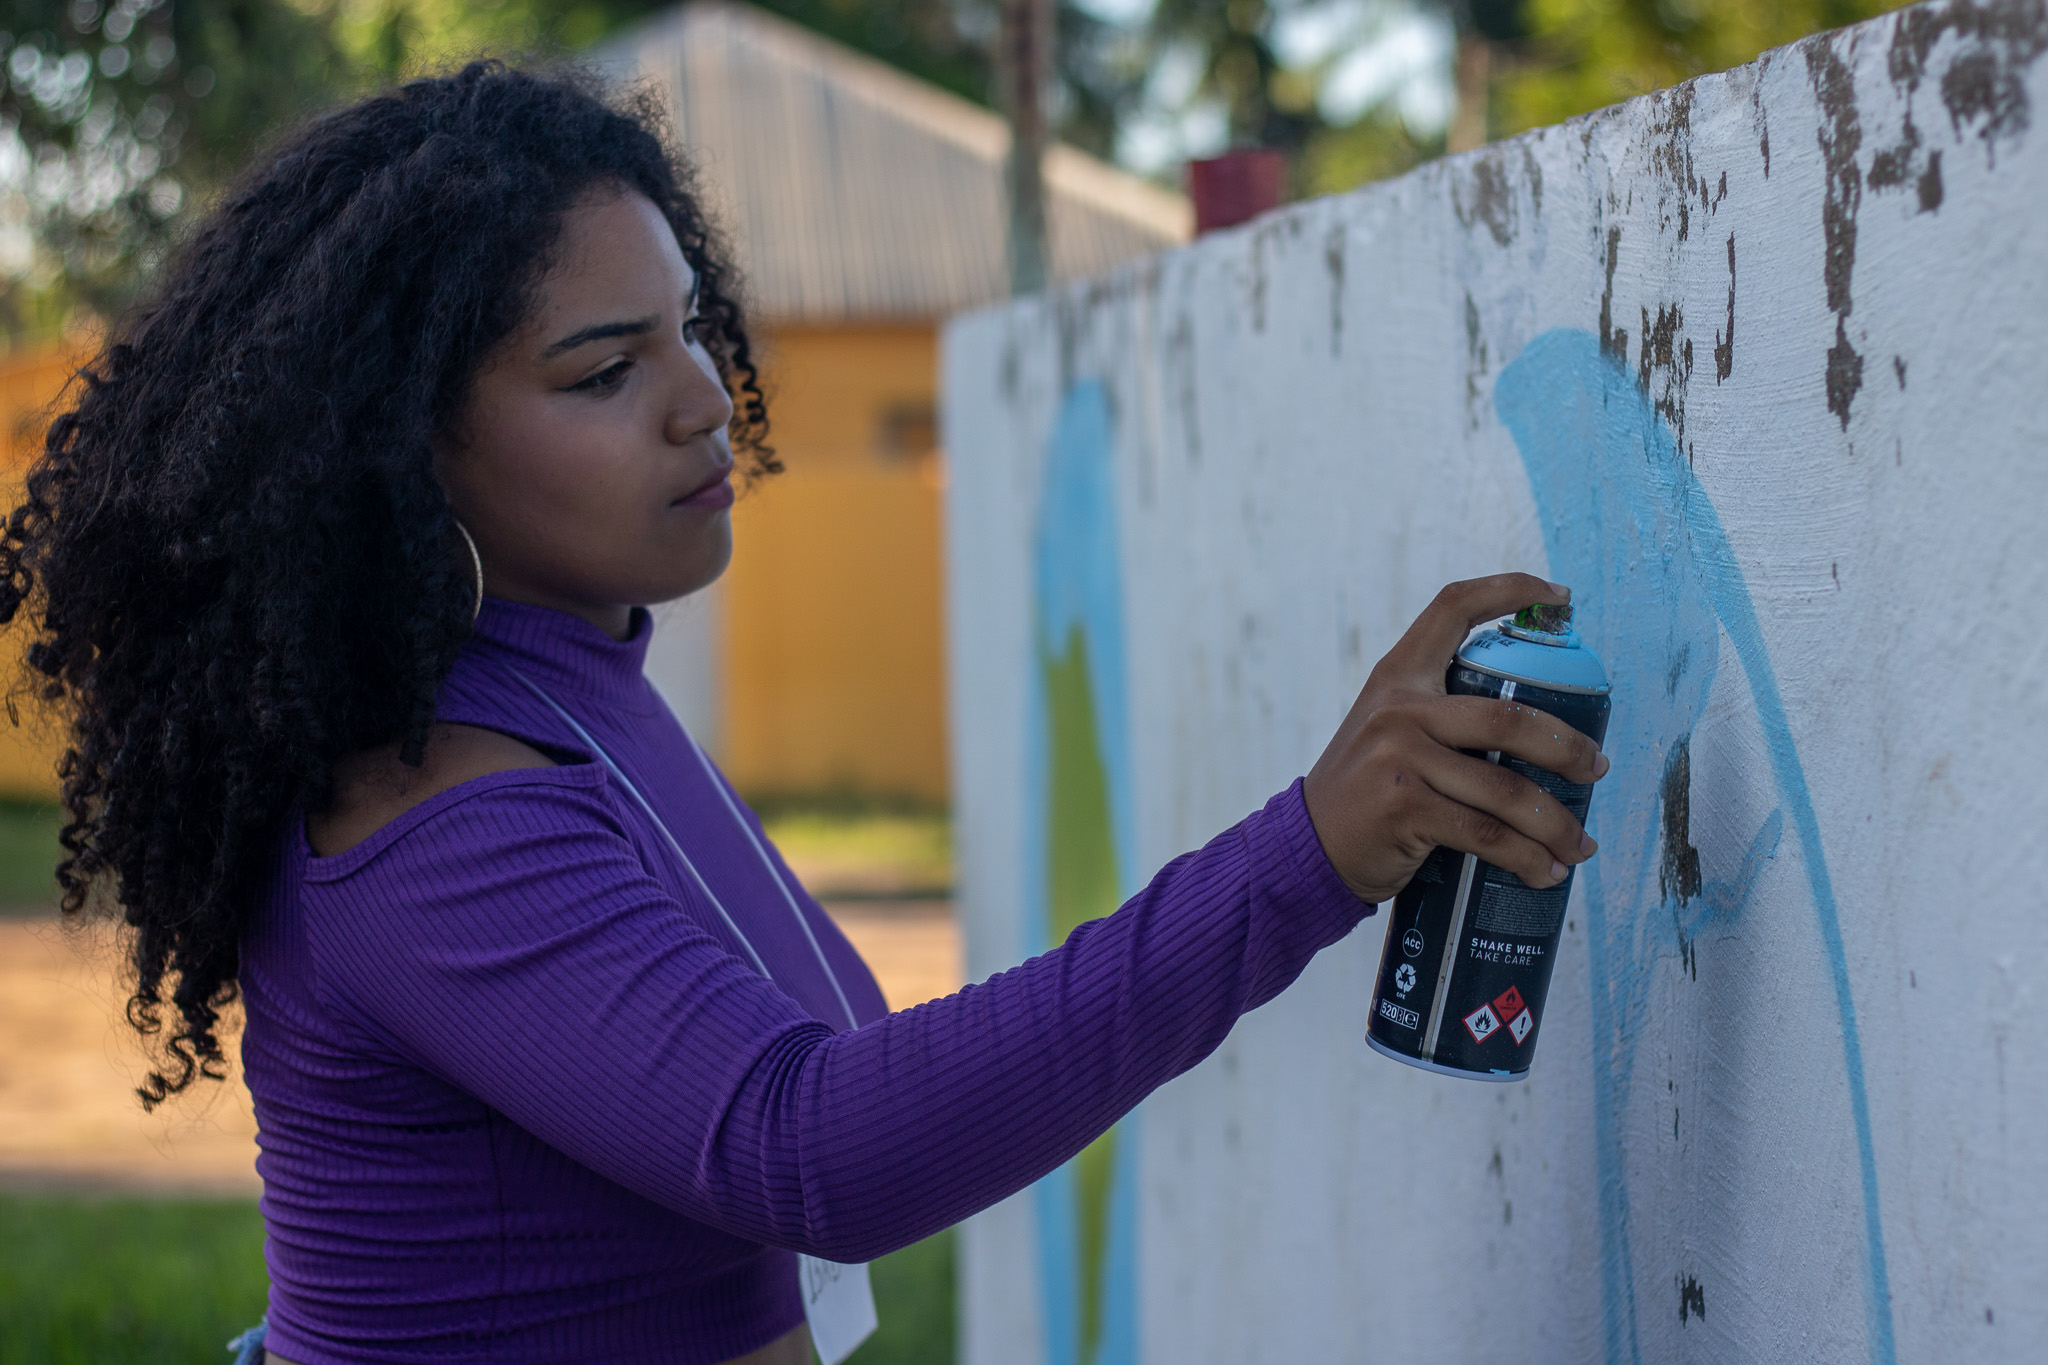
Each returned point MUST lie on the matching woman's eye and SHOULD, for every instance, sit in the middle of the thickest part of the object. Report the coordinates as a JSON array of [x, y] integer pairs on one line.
[[605, 380]]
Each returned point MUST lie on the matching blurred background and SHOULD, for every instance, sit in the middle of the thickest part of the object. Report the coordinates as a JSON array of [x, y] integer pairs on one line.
[[860, 152]]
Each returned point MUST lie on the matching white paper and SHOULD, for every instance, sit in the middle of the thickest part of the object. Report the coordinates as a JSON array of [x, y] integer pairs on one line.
[[838, 1305]]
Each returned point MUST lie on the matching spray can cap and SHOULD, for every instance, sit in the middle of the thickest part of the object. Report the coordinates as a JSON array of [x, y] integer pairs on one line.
[[1537, 646], [1542, 624]]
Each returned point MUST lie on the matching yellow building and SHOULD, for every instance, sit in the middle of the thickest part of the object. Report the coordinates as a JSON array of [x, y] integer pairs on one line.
[[864, 206], [30, 383], [833, 666]]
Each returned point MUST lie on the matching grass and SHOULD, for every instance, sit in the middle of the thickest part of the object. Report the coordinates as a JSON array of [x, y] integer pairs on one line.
[[843, 847], [87, 1281], [914, 1300], [850, 848], [167, 1282], [127, 1282], [28, 857]]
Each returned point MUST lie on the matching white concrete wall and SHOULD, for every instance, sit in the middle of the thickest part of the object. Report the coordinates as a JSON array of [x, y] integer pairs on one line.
[[686, 664], [1760, 366]]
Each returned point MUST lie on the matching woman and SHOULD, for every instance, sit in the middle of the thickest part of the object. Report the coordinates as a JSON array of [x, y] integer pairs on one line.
[[342, 560]]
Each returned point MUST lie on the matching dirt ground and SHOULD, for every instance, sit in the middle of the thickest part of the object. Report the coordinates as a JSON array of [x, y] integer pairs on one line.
[[69, 1064]]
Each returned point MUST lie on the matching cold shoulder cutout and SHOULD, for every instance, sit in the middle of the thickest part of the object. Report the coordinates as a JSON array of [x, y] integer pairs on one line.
[[372, 788]]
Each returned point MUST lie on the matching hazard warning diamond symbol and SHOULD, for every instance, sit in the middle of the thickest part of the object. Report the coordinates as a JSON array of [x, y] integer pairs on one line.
[[1508, 1003], [1520, 1026], [1482, 1023]]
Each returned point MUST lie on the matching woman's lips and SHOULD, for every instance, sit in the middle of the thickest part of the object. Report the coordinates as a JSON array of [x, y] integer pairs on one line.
[[713, 495]]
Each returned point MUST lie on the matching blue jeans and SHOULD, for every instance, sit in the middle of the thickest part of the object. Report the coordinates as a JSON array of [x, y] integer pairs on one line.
[[248, 1347]]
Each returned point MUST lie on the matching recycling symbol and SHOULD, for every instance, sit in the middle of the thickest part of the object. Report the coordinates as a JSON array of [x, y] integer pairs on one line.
[[1404, 978]]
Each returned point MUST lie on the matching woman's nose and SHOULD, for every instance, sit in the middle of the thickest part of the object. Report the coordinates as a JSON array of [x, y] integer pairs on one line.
[[701, 403]]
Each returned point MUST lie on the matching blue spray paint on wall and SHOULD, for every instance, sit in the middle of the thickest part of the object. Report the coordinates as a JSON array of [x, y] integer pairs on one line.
[[1078, 577], [1084, 1228], [1624, 519]]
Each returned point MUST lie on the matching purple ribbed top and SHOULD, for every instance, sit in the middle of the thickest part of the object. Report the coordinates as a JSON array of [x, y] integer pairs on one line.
[[521, 1097]]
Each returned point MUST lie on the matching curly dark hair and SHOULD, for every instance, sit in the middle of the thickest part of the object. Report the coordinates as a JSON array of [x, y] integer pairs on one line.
[[238, 561]]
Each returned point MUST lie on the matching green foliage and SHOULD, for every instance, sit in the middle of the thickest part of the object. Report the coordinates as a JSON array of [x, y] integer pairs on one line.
[[854, 847], [28, 857], [1378, 146], [1582, 55], [1553, 59], [118, 118], [939, 41], [1263, 102], [949, 43], [136, 1282], [388, 40], [914, 1298], [113, 115], [127, 1282]]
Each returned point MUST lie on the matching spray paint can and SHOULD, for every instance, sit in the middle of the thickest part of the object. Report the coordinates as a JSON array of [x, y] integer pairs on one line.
[[1470, 946]]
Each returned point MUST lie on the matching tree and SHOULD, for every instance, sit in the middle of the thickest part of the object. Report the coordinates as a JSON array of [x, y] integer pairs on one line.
[[1232, 46], [112, 116], [1580, 55], [119, 117], [1521, 64], [1485, 28]]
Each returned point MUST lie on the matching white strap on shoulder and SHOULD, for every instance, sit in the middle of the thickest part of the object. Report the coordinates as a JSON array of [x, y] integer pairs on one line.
[[690, 868], [781, 883]]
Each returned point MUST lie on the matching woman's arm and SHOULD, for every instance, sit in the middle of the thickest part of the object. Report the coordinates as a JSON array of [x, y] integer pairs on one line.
[[565, 988], [514, 945]]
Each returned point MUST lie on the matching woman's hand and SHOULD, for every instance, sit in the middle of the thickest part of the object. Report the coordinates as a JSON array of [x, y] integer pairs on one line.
[[1392, 785]]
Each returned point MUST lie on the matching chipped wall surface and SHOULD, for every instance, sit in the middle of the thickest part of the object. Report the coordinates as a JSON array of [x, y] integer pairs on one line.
[[1759, 365]]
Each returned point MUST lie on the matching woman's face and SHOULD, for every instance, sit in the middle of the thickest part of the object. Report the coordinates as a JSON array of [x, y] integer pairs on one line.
[[592, 464]]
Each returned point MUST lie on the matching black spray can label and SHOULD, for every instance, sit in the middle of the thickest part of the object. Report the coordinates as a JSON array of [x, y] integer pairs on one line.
[[1470, 946]]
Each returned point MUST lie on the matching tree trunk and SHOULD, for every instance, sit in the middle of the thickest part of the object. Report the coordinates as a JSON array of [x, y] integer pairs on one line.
[[1475, 71], [1027, 39]]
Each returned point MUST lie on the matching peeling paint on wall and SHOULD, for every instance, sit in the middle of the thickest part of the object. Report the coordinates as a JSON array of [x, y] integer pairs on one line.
[[1784, 1109]]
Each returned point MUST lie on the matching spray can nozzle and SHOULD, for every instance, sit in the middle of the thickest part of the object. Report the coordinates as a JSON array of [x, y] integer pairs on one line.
[[1543, 624]]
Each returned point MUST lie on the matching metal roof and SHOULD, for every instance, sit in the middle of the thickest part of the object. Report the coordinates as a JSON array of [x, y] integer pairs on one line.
[[853, 191]]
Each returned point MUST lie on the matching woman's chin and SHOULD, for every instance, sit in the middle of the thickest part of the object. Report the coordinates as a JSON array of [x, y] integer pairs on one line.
[[699, 571]]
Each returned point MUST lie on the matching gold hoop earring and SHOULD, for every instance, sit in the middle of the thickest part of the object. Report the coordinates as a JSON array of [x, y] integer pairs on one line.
[[476, 562]]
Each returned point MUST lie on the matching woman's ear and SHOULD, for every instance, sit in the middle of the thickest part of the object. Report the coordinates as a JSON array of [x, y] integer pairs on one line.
[[449, 449], [450, 440]]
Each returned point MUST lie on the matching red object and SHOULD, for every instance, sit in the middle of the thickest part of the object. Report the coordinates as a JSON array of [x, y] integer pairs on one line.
[[1509, 1003], [1236, 187]]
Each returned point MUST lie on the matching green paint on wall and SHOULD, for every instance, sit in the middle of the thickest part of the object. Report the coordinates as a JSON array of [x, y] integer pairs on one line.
[[1092, 1172], [1081, 885], [1080, 847]]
